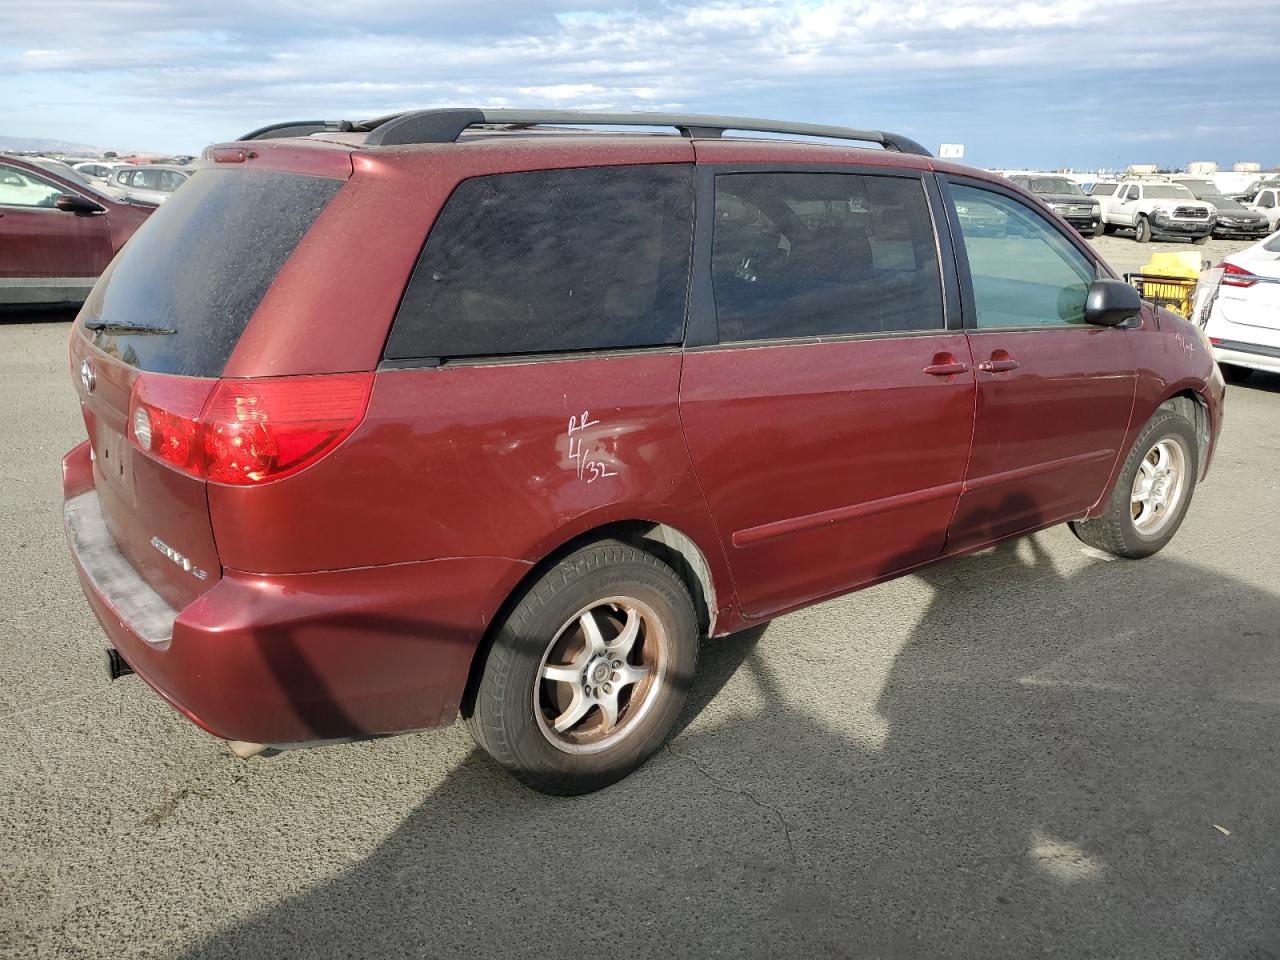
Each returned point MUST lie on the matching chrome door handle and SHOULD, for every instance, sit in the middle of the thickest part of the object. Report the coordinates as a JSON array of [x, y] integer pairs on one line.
[[998, 366], [946, 369]]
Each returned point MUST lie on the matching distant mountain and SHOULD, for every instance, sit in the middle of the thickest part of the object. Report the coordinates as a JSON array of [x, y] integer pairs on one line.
[[45, 145]]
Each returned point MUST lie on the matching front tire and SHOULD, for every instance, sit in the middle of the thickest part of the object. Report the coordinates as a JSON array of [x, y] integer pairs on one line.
[[1152, 493], [1201, 241], [588, 672], [1142, 230]]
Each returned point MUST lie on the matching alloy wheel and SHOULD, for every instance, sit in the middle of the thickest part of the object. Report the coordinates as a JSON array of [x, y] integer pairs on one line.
[[1158, 486], [600, 675]]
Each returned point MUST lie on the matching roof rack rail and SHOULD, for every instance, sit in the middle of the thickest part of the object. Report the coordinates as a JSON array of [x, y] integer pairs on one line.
[[299, 128], [445, 125]]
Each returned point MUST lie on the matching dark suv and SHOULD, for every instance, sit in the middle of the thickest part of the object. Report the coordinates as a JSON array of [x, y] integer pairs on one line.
[[467, 411], [1065, 198]]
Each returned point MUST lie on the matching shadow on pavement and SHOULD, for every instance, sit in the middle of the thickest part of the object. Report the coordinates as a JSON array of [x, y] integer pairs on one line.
[[1258, 380], [37, 314], [1038, 771]]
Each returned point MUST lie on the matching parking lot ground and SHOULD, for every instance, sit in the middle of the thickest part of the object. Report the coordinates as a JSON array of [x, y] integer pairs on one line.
[[1027, 752], [1126, 256]]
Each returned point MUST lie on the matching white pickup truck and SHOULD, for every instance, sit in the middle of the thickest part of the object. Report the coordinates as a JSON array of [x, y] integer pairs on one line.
[[1267, 202], [1154, 210]]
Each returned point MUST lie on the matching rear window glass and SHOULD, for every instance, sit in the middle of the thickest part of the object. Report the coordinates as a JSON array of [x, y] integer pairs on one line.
[[199, 266], [552, 261], [823, 254]]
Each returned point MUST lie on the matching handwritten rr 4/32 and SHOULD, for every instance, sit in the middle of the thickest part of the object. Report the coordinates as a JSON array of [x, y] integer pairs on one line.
[[587, 467]]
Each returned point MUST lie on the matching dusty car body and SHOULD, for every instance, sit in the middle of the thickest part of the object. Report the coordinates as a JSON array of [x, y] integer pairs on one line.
[[582, 400]]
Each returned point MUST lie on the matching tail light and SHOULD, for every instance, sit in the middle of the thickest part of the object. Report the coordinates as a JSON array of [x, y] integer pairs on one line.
[[245, 431], [1233, 276]]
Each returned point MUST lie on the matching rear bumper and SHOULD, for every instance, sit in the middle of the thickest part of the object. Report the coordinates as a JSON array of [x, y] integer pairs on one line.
[[1252, 355], [294, 658]]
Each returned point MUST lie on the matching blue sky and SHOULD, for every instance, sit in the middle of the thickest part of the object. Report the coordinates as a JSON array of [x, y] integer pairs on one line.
[[1084, 83]]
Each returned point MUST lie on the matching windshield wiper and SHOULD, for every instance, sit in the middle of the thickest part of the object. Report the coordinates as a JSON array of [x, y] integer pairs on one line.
[[102, 326]]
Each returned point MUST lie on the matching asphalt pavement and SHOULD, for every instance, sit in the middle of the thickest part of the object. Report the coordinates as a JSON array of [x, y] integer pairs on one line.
[[1028, 752]]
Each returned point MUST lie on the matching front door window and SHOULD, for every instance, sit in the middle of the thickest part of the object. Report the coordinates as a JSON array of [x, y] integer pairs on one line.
[[1025, 272], [20, 188]]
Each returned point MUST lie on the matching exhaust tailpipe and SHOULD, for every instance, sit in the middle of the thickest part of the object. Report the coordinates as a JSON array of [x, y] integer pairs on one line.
[[117, 666]]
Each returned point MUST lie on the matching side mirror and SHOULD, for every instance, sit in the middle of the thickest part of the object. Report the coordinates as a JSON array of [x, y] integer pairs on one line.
[[1109, 303], [74, 203]]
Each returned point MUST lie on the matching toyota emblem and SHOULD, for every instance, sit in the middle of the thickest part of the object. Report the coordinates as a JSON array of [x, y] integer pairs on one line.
[[87, 376]]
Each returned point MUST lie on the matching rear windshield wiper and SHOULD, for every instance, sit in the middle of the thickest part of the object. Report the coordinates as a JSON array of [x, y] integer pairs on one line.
[[103, 326]]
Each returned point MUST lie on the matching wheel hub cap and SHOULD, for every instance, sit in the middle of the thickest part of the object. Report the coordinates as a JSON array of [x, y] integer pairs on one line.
[[600, 675], [1158, 486]]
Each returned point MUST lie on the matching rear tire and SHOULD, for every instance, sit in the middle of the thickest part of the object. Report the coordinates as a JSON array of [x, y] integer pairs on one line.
[[588, 672], [1233, 374], [1142, 230], [1152, 493]]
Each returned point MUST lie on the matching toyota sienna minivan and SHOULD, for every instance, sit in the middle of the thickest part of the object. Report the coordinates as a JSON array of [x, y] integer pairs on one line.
[[501, 412]]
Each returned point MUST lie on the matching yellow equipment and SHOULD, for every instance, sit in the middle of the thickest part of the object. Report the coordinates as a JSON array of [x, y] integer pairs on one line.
[[1169, 280]]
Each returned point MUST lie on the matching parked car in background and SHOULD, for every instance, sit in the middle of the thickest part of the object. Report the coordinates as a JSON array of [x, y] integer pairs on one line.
[[67, 172], [95, 169], [1244, 320], [513, 448], [57, 232], [152, 183], [1250, 193], [1267, 202], [982, 219], [1233, 220], [1198, 186], [1103, 191], [1159, 209], [1066, 199]]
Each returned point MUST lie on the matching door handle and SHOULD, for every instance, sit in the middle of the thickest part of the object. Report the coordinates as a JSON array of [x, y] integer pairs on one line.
[[945, 365], [997, 366], [1000, 362]]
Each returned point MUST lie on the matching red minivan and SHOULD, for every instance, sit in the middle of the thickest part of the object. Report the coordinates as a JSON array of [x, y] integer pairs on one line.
[[500, 413]]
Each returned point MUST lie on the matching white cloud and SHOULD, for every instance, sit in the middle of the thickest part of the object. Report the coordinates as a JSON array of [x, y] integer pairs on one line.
[[924, 65]]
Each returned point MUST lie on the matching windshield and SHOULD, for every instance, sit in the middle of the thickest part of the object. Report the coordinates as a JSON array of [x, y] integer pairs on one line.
[[1103, 189], [1224, 203], [1170, 191], [1053, 185]]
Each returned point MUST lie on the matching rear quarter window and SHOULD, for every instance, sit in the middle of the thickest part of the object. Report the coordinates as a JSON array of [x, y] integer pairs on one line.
[[200, 265], [552, 261]]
